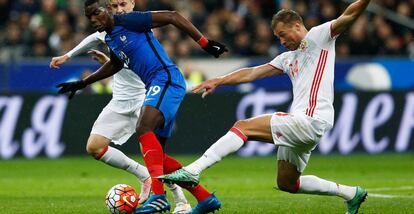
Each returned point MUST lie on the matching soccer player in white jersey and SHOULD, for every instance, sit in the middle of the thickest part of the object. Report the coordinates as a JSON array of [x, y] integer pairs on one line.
[[310, 65], [116, 123]]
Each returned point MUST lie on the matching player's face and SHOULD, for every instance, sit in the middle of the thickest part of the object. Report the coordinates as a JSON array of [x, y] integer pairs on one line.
[[121, 6], [98, 17], [289, 35]]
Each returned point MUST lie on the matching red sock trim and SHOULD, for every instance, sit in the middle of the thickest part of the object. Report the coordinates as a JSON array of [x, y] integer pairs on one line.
[[102, 153], [239, 133], [203, 41]]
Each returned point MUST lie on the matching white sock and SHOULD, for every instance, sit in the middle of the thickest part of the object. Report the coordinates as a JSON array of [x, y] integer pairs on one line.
[[117, 159], [177, 193], [346, 192], [311, 184], [227, 144]]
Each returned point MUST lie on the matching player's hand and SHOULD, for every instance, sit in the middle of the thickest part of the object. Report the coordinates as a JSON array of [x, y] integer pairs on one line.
[[215, 48], [98, 56], [71, 87], [209, 86], [59, 60]]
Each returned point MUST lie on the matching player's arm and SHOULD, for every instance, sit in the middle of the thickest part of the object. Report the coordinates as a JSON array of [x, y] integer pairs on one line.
[[242, 75], [161, 18], [99, 56], [349, 16], [86, 44], [144, 21], [108, 69]]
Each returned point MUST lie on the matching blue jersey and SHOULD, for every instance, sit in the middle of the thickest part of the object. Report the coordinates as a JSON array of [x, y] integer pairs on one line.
[[133, 42]]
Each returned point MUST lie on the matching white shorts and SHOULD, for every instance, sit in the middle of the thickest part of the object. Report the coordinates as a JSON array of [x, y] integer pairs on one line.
[[296, 135], [118, 120]]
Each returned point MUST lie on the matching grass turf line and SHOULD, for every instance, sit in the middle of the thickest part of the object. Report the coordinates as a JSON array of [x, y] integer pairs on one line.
[[244, 185]]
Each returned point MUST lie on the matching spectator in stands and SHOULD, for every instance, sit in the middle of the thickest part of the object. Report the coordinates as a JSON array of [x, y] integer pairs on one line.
[[238, 22], [193, 76]]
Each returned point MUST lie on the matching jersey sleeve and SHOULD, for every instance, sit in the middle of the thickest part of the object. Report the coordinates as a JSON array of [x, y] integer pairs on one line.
[[321, 34], [278, 62], [86, 44], [135, 21]]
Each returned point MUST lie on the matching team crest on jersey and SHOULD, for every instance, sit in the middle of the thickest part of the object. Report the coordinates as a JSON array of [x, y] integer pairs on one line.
[[123, 38], [303, 45]]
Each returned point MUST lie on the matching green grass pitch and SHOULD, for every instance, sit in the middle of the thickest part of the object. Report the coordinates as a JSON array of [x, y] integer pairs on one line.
[[244, 185]]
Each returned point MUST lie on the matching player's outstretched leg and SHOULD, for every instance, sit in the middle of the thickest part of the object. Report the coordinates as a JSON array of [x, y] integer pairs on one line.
[[208, 205], [354, 204], [154, 204], [232, 141], [181, 177]]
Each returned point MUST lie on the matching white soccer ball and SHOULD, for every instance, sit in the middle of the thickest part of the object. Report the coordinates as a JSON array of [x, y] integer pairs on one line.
[[121, 199]]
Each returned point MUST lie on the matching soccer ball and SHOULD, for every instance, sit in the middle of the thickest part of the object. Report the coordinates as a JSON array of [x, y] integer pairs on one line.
[[121, 199]]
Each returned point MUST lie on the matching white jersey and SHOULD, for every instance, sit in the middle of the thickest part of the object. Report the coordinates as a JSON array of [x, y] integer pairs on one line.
[[311, 70], [126, 85]]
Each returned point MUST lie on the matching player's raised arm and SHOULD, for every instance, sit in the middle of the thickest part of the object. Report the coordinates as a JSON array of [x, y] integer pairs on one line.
[[349, 16], [161, 18], [242, 75], [144, 21], [86, 44]]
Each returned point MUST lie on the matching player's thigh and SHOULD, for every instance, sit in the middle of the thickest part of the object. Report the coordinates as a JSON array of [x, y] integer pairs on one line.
[[161, 104], [149, 119], [256, 128], [114, 125]]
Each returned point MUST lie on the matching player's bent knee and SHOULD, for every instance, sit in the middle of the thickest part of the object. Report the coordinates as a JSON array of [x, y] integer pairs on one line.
[[242, 125], [95, 147]]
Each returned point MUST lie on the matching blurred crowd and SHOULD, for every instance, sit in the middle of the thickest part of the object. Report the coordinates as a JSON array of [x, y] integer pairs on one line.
[[44, 28]]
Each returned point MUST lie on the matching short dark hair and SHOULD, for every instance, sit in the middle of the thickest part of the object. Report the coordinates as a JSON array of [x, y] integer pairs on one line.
[[286, 16], [91, 2]]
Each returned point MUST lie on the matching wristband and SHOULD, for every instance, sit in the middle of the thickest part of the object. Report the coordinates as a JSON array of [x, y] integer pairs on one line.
[[203, 41]]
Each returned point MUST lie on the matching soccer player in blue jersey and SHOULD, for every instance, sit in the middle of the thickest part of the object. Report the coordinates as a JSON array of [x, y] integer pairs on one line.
[[131, 42]]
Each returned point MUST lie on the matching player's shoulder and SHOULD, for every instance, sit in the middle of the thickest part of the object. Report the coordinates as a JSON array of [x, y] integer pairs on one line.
[[321, 34], [134, 15], [281, 60], [286, 55], [322, 27]]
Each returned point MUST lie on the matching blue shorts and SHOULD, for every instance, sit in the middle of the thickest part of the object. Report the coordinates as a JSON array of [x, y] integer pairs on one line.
[[165, 93]]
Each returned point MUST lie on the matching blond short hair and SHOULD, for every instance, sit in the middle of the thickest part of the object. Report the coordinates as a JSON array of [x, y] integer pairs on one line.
[[286, 16]]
